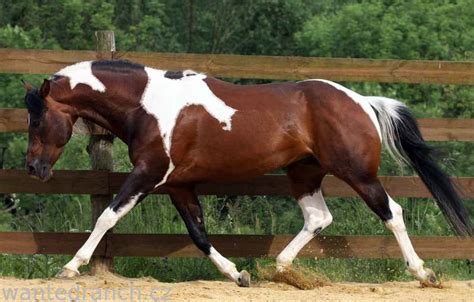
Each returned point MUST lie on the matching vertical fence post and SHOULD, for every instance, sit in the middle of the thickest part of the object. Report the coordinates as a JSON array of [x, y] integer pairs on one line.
[[3, 149], [101, 153]]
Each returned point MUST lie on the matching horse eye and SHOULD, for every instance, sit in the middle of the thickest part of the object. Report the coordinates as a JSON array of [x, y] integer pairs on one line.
[[35, 124]]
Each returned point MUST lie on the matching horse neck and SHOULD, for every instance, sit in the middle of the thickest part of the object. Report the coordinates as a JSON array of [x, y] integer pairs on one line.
[[99, 108], [107, 121]]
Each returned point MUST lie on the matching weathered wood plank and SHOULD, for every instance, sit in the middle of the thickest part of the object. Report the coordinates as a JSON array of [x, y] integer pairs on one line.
[[15, 120], [450, 123], [44, 243], [272, 245], [168, 245], [278, 185], [300, 68], [444, 129], [100, 182], [257, 67], [62, 182], [40, 61]]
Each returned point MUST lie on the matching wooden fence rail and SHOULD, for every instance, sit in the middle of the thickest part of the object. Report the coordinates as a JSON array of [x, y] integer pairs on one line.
[[102, 182], [442, 129], [172, 245], [255, 67]]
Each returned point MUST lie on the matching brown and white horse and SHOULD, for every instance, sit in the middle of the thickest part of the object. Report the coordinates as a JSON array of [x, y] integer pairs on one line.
[[183, 128]]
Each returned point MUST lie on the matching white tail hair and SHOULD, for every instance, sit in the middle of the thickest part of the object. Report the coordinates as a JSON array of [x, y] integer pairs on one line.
[[388, 115]]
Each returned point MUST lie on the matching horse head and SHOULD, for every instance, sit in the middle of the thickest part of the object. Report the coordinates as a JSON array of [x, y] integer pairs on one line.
[[50, 125]]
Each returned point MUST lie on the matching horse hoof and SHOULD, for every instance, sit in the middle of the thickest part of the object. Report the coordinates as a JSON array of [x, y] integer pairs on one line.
[[431, 280], [244, 279], [67, 273]]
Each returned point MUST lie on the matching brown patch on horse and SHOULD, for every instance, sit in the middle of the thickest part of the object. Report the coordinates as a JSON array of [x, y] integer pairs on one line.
[[340, 125], [271, 138]]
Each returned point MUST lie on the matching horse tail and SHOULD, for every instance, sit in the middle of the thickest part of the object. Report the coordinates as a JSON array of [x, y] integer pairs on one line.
[[403, 140]]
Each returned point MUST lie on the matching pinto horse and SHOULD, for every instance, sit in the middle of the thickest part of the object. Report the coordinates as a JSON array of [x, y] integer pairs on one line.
[[184, 128]]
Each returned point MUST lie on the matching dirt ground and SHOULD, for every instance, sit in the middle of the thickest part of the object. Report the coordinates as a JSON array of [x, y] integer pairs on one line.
[[115, 288]]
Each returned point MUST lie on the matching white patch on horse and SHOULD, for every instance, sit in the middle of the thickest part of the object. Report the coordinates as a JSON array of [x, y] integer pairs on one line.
[[164, 98], [168, 172], [189, 72], [359, 99], [81, 73]]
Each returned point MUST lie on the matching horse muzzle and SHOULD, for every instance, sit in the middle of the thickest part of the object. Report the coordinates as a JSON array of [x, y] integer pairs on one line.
[[39, 170]]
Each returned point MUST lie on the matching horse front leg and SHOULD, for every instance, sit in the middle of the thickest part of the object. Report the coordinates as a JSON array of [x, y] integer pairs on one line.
[[189, 207], [137, 185]]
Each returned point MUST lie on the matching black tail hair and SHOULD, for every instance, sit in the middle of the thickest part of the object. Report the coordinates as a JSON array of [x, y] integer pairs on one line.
[[420, 156]]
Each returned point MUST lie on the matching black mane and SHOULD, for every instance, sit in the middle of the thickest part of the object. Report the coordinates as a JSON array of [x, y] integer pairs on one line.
[[174, 75], [122, 66], [34, 103]]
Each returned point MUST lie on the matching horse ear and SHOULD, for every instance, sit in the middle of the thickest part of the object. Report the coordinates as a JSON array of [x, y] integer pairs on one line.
[[35, 104], [28, 87], [44, 90]]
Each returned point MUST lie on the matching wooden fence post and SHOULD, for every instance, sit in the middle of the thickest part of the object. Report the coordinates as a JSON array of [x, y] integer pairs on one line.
[[101, 153]]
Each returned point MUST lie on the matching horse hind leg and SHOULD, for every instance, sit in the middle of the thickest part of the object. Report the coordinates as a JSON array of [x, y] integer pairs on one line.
[[391, 213], [189, 207], [306, 177]]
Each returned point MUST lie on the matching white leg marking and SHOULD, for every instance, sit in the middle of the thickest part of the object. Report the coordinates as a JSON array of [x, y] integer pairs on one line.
[[224, 265], [106, 221], [397, 226], [316, 218], [81, 73]]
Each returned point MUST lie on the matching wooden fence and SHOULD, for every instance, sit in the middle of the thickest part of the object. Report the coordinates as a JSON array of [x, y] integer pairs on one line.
[[439, 129], [105, 183], [256, 67]]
